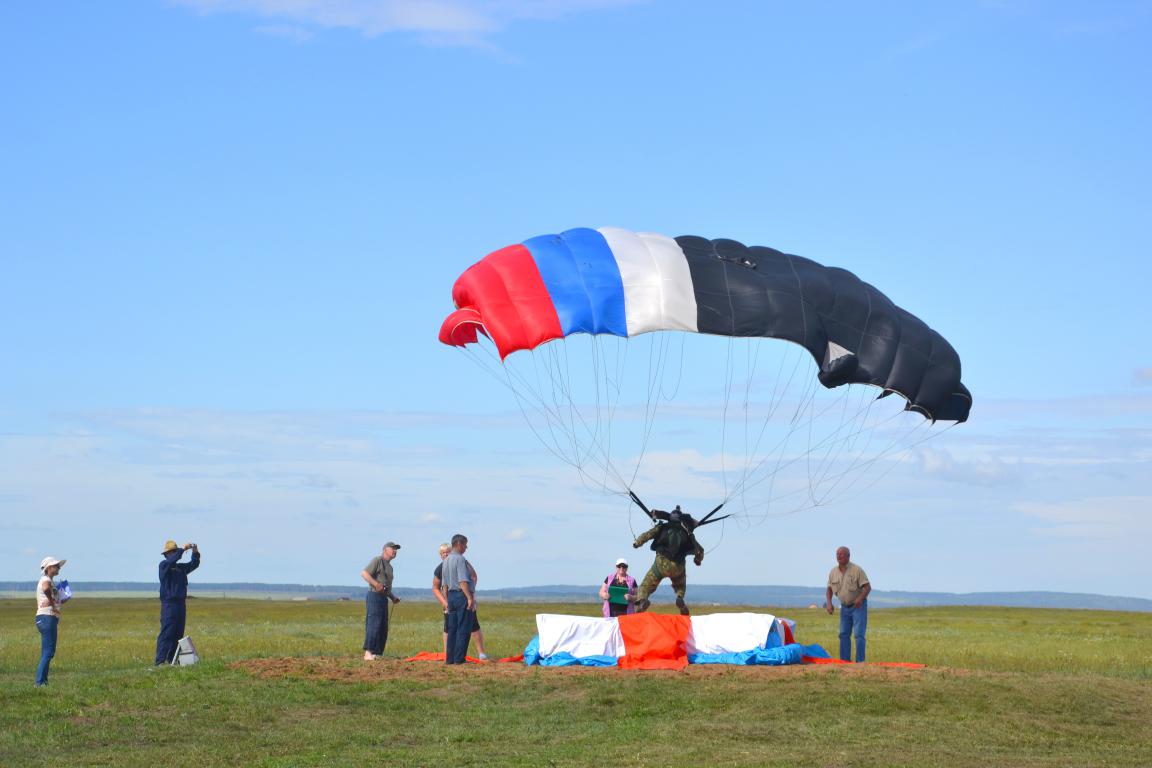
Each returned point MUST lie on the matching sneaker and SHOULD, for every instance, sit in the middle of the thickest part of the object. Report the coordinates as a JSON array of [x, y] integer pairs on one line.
[[370, 657]]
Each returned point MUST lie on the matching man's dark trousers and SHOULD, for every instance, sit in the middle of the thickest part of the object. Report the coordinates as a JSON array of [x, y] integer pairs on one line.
[[376, 622], [459, 627], [172, 618]]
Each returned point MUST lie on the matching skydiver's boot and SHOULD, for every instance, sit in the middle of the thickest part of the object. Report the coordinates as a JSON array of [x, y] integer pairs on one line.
[[683, 606], [643, 605]]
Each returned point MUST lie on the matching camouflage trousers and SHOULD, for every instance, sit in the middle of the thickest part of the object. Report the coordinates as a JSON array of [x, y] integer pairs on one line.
[[663, 568]]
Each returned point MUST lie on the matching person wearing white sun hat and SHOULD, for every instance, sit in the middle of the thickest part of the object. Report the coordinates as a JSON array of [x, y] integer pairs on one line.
[[47, 615], [621, 600]]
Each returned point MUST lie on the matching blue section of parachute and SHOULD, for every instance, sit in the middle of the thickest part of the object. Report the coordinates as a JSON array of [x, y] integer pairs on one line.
[[583, 281]]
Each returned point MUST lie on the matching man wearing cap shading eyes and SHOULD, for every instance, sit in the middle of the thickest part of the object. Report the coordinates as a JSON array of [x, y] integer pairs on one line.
[[378, 574], [173, 593]]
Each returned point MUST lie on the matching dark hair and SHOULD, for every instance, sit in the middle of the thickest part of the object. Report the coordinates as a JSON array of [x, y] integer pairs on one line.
[[459, 538]]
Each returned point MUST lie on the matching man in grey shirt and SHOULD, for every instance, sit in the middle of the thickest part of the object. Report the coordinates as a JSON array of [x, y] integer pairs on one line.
[[457, 578], [378, 574]]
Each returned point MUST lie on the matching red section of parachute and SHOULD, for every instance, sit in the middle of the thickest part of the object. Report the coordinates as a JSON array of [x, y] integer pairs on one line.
[[504, 297], [654, 641]]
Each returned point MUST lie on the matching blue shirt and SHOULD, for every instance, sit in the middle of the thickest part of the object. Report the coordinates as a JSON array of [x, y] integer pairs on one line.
[[174, 576], [455, 571]]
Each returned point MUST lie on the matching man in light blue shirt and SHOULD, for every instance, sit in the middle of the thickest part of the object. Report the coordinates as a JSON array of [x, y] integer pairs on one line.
[[457, 578]]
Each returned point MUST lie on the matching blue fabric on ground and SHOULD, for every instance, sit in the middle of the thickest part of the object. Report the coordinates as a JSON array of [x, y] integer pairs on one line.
[[772, 657], [532, 651], [816, 651], [562, 659]]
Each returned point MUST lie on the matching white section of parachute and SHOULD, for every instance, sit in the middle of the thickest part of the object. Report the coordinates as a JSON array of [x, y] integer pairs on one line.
[[658, 290]]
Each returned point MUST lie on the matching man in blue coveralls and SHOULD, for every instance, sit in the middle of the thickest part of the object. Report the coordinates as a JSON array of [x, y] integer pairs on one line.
[[173, 592]]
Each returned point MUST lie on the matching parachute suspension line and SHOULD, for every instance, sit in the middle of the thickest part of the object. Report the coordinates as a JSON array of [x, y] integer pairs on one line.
[[827, 457], [795, 423], [848, 419], [869, 431], [781, 386], [657, 349], [728, 377], [595, 425], [521, 387], [898, 448], [798, 422], [505, 376], [851, 472]]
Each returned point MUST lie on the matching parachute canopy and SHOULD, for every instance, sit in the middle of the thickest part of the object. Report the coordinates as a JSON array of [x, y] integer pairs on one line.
[[622, 283]]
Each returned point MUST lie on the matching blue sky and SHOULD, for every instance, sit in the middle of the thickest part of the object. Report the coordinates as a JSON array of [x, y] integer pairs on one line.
[[231, 228]]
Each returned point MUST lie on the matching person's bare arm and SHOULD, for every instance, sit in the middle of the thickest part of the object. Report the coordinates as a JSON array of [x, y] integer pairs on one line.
[[374, 585], [439, 594]]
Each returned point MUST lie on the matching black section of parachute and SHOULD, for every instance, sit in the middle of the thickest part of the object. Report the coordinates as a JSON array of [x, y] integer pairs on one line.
[[758, 291]]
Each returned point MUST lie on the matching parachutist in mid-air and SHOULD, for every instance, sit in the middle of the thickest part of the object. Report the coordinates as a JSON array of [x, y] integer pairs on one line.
[[672, 540]]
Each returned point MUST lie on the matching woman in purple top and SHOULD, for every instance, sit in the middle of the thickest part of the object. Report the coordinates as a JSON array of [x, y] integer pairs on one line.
[[619, 578]]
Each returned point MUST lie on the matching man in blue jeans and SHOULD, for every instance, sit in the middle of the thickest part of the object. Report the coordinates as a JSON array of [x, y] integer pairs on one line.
[[378, 574], [850, 584], [461, 601]]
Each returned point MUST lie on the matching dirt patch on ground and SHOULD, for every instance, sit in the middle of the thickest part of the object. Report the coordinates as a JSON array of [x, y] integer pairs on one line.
[[353, 670]]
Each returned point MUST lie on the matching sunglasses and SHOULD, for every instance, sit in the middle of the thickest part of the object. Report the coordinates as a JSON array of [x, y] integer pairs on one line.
[[622, 566]]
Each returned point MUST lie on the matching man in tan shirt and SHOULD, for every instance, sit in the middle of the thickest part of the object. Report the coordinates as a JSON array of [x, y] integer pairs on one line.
[[850, 584]]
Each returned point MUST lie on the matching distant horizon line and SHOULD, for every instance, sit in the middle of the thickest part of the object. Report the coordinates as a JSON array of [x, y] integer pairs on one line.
[[565, 589]]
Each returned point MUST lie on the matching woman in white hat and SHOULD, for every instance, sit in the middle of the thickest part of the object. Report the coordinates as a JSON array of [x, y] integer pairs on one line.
[[47, 615], [619, 578]]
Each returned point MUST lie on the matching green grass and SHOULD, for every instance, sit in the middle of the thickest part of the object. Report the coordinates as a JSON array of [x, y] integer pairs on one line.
[[1014, 687]]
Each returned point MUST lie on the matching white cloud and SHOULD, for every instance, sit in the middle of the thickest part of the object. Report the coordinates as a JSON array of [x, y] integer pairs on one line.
[[444, 21], [516, 534], [987, 471], [1102, 517], [431, 518]]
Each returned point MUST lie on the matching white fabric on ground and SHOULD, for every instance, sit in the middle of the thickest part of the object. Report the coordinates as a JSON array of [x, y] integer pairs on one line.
[[579, 635], [729, 632], [583, 636]]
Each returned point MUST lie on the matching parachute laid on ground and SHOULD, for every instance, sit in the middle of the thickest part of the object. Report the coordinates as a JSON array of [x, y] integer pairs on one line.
[[542, 294]]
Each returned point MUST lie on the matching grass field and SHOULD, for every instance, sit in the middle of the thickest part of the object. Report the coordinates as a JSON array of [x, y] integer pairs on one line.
[[281, 685]]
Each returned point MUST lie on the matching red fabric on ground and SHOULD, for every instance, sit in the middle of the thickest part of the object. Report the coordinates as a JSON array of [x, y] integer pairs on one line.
[[654, 641]]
